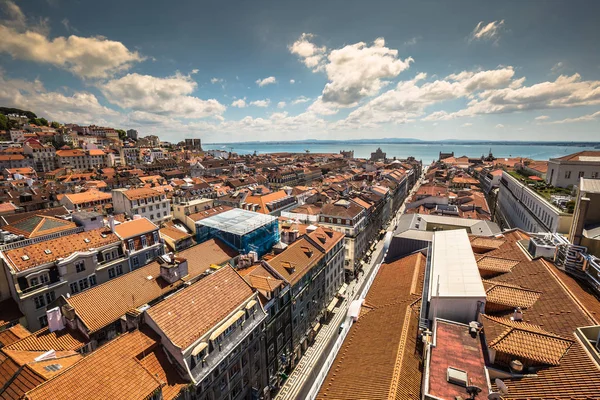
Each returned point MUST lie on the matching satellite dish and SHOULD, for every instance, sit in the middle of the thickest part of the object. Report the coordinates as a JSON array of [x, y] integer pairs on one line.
[[501, 386], [494, 396]]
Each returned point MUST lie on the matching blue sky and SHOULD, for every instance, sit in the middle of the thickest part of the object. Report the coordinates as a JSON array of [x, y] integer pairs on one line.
[[282, 70]]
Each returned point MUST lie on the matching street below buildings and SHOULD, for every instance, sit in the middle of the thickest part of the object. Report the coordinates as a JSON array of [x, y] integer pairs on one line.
[[301, 384]]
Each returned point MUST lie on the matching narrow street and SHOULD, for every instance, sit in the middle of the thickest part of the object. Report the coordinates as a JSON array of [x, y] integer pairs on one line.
[[301, 382]]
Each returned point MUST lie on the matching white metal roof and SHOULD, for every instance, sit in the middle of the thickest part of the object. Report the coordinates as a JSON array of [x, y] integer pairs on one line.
[[454, 269], [589, 185]]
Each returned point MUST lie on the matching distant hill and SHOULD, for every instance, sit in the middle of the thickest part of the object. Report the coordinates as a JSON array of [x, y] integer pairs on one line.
[[7, 110]]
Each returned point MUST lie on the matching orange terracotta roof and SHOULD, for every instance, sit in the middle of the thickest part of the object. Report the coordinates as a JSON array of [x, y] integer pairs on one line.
[[111, 372], [263, 200], [159, 365], [39, 225], [508, 295], [103, 304], [134, 227], [13, 334], [48, 251], [296, 260], [326, 238], [88, 196], [496, 264], [191, 313], [209, 213], [140, 193], [383, 340], [524, 341], [44, 340], [174, 233]]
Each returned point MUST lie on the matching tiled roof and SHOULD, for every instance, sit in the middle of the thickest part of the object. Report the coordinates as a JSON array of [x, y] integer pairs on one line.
[[36, 254], [13, 334], [88, 196], [524, 341], [191, 313], [559, 311], [157, 363], [174, 233], [134, 227], [105, 303], [39, 225], [111, 372], [581, 156], [378, 359], [508, 295], [44, 340], [326, 238], [260, 278], [141, 193], [486, 243], [496, 264], [296, 260]]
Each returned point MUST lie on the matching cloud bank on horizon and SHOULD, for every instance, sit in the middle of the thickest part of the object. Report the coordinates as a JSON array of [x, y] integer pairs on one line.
[[300, 85]]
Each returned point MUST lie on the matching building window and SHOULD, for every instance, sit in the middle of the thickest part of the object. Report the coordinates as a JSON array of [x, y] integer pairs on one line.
[[83, 284], [143, 238], [581, 173], [131, 245], [39, 301], [567, 174], [148, 256], [43, 321], [143, 209], [107, 256], [34, 281], [74, 288], [119, 270], [44, 278], [93, 281], [111, 273], [594, 175], [80, 266], [50, 297], [135, 262], [155, 236]]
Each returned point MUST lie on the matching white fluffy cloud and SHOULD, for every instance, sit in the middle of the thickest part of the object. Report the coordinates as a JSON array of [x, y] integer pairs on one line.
[[239, 103], [78, 107], [266, 81], [87, 57], [261, 103], [300, 100], [281, 104], [499, 126], [311, 55], [354, 71], [489, 31], [170, 95], [542, 118], [292, 81], [410, 99], [564, 92], [217, 80], [584, 118]]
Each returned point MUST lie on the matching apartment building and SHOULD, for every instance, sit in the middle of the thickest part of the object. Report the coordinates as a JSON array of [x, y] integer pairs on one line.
[[216, 345], [350, 219], [41, 272], [86, 200], [565, 171], [146, 202], [43, 156], [276, 301], [520, 206], [81, 159], [585, 229], [313, 267], [142, 241]]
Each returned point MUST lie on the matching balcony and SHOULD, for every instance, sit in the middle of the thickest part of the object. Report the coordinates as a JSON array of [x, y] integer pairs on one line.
[[227, 346], [41, 288]]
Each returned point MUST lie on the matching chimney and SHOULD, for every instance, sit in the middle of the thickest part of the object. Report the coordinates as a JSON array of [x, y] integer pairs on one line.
[[111, 223], [172, 268], [517, 315], [55, 320]]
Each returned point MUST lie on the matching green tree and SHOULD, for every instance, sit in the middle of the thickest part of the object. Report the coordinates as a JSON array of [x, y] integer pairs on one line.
[[3, 122], [43, 121], [55, 125], [122, 134]]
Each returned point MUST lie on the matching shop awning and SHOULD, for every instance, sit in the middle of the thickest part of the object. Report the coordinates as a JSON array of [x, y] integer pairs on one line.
[[343, 289], [250, 304], [198, 349], [332, 305], [316, 327], [227, 324]]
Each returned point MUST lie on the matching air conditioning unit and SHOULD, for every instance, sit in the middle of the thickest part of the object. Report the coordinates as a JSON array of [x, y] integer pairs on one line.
[[541, 247]]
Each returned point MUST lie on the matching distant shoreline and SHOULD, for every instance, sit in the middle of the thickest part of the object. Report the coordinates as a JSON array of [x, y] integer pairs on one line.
[[414, 141]]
